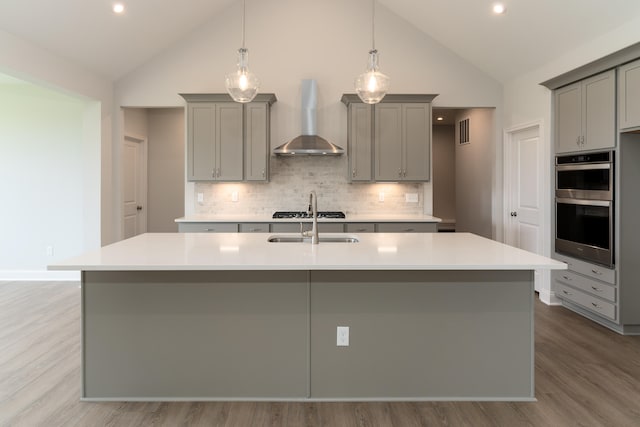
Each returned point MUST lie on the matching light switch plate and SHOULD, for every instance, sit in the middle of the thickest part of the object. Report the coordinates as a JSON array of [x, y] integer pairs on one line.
[[343, 336], [200, 197], [234, 196]]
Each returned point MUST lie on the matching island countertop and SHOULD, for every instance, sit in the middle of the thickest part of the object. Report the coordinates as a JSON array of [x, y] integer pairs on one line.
[[252, 251]]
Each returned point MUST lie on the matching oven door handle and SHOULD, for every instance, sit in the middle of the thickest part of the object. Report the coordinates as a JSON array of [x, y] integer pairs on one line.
[[583, 167], [603, 203]]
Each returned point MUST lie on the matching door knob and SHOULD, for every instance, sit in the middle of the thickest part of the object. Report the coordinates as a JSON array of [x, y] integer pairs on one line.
[[139, 208], [514, 213]]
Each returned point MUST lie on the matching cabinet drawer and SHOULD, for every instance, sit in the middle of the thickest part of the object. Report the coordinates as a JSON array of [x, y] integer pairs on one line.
[[407, 227], [587, 301], [285, 227], [259, 227], [207, 227], [594, 287], [594, 271], [360, 227]]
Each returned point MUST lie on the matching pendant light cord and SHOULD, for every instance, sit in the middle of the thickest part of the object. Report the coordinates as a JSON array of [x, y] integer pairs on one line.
[[244, 8], [373, 24]]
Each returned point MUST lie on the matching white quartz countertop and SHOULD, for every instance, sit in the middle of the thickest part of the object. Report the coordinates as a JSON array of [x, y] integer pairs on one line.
[[252, 251], [349, 218]]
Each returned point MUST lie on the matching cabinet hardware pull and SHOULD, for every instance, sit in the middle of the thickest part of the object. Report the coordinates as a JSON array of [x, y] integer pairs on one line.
[[353, 173], [595, 305], [598, 272], [566, 292], [263, 173], [399, 172], [595, 288], [566, 278], [209, 229]]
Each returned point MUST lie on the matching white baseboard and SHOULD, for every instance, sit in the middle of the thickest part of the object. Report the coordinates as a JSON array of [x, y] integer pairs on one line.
[[549, 297], [39, 275]]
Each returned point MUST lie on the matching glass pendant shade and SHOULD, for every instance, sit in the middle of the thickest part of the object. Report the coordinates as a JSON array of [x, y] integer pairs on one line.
[[242, 84], [372, 85]]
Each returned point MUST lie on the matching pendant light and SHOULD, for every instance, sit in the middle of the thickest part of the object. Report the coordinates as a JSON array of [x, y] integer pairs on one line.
[[372, 85], [242, 84]]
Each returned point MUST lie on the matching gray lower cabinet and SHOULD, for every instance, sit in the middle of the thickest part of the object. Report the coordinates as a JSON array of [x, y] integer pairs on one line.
[[360, 227], [629, 95], [407, 227], [226, 140], [389, 141], [294, 227], [207, 227], [254, 227], [585, 114], [591, 287]]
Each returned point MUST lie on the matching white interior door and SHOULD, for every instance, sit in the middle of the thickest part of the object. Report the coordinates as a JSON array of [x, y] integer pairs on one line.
[[524, 195], [135, 186]]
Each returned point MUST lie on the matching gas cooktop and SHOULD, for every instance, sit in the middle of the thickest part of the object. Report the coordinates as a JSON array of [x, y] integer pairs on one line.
[[303, 214]]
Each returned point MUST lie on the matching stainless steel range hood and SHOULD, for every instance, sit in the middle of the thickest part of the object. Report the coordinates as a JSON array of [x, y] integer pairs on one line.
[[309, 143]]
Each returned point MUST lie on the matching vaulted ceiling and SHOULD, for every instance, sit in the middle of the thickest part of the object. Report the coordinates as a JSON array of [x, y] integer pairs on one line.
[[530, 34]]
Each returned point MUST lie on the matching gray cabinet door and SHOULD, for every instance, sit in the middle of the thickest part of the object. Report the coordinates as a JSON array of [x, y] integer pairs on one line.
[[360, 140], [257, 141], [416, 132], [629, 95], [568, 118], [214, 142], [599, 111], [201, 142], [229, 148], [585, 114], [388, 142]]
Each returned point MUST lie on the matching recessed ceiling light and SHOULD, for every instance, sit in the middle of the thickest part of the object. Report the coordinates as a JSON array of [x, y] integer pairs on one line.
[[499, 8], [118, 8], [439, 118]]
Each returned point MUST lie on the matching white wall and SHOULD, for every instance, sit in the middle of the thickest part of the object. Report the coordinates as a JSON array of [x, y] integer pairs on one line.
[[43, 190], [22, 59], [290, 40]]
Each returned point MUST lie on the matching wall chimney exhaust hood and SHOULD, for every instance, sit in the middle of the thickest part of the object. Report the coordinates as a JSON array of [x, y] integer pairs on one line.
[[309, 143]]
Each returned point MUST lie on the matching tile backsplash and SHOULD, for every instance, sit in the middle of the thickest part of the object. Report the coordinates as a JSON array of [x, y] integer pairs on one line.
[[292, 178]]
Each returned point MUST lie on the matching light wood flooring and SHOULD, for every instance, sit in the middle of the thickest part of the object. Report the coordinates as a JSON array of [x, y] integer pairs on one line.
[[586, 375]]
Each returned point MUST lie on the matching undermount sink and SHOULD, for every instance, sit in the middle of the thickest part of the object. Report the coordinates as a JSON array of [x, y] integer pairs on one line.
[[323, 239]]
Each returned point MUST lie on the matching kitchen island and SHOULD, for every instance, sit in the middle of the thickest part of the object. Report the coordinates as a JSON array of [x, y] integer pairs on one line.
[[232, 316]]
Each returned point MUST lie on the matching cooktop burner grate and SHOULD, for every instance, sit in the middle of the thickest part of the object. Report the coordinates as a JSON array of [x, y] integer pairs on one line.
[[303, 214]]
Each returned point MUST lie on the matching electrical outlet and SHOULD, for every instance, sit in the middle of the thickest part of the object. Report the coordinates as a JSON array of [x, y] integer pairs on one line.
[[234, 196], [411, 197], [49, 250], [200, 197], [381, 196], [343, 336]]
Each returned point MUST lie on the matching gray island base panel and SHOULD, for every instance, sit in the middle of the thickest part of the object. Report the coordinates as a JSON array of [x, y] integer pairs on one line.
[[271, 335]]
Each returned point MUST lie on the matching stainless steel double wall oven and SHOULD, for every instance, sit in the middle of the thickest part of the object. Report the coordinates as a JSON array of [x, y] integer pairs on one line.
[[584, 206]]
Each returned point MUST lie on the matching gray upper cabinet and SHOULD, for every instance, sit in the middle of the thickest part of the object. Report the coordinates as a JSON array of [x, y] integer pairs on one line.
[[403, 142], [629, 95], [391, 140], [360, 125], [585, 114], [227, 141], [257, 121]]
